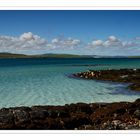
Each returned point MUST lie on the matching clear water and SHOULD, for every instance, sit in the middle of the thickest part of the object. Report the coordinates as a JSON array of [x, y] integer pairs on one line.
[[27, 82]]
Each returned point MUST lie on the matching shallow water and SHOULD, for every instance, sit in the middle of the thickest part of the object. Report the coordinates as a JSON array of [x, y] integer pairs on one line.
[[27, 82]]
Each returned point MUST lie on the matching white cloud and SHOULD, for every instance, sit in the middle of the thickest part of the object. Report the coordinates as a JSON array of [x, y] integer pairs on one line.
[[111, 41], [27, 36], [97, 43], [67, 43], [26, 41], [115, 46], [30, 42], [55, 41]]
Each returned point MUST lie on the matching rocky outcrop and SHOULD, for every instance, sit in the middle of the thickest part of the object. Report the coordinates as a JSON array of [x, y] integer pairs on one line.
[[123, 75], [80, 116]]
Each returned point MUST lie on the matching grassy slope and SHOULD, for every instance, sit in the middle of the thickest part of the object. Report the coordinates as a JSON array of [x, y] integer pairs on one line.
[[133, 56]]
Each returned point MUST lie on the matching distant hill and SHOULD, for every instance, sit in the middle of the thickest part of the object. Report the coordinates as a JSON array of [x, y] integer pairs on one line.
[[12, 55], [133, 56], [62, 55]]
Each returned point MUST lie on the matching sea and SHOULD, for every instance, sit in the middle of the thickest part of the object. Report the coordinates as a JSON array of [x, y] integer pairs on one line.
[[48, 81]]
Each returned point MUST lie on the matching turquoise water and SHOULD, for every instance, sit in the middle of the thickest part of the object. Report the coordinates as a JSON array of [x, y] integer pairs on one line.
[[27, 82]]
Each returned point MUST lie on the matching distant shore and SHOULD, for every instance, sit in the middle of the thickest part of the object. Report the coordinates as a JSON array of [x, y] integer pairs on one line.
[[52, 55]]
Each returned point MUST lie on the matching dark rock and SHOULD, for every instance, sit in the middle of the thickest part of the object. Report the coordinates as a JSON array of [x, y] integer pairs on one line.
[[80, 107], [38, 114], [80, 116], [63, 114], [137, 114], [121, 111], [55, 124], [135, 86], [122, 75], [137, 101], [131, 111], [53, 113], [21, 118], [76, 120], [6, 119]]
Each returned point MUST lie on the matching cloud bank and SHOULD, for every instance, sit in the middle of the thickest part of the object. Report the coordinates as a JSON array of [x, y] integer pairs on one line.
[[26, 41], [115, 46], [65, 43], [113, 41], [29, 42]]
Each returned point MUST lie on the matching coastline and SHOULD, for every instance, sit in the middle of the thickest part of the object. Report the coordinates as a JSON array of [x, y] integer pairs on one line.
[[80, 116], [130, 76]]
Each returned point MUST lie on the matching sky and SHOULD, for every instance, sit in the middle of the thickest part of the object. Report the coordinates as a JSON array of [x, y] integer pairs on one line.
[[93, 32]]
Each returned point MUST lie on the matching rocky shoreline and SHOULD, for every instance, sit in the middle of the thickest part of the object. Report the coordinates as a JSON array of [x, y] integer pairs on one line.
[[80, 116], [131, 76]]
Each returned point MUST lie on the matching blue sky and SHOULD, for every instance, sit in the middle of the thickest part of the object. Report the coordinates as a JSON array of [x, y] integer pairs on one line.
[[70, 31]]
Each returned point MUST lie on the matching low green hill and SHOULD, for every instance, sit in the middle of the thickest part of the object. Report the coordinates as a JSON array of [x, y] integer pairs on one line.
[[11, 55]]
